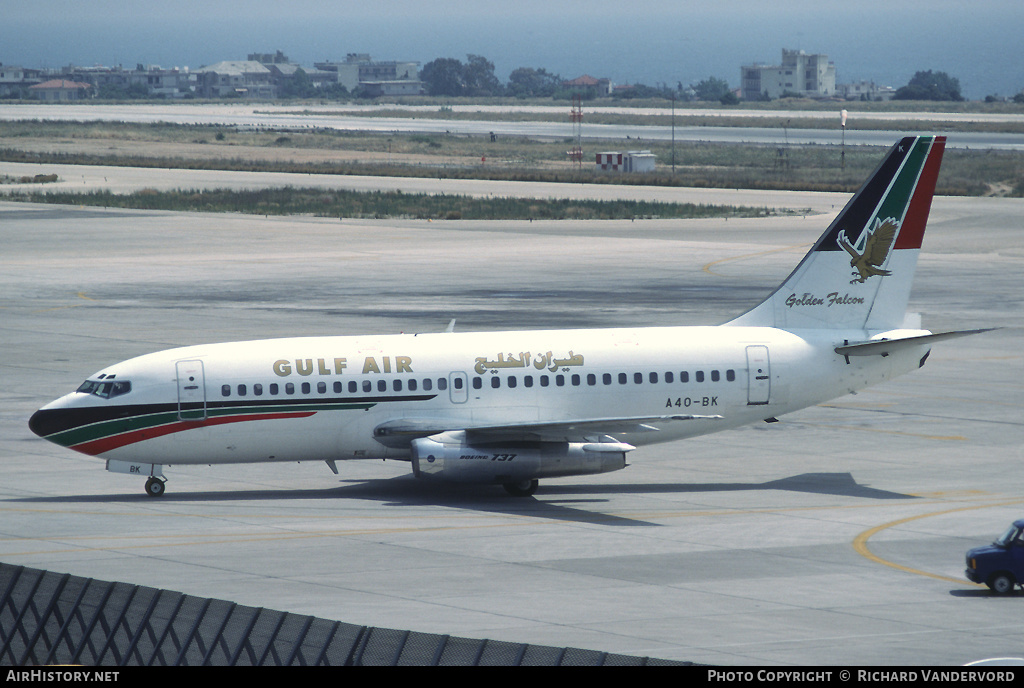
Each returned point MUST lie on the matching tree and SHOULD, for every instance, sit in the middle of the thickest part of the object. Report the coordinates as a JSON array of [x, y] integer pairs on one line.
[[298, 86], [447, 76], [443, 77], [930, 86], [478, 77], [526, 82], [711, 89], [729, 98]]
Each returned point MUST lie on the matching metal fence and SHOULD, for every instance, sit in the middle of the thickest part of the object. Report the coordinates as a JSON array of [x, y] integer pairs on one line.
[[48, 618]]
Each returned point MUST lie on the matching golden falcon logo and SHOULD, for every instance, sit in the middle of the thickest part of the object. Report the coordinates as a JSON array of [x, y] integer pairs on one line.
[[876, 250]]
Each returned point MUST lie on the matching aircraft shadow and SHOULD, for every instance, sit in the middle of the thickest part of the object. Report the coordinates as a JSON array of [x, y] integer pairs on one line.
[[554, 500]]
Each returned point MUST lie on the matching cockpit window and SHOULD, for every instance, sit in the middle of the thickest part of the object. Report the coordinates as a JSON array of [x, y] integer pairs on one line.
[[105, 389]]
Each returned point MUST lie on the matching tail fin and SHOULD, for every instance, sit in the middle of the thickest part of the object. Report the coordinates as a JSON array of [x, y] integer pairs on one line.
[[859, 273]]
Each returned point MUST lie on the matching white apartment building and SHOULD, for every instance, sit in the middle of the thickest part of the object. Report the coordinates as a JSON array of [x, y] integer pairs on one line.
[[800, 74]]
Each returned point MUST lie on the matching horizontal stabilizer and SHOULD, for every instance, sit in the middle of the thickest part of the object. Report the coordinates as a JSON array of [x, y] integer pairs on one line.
[[884, 347]]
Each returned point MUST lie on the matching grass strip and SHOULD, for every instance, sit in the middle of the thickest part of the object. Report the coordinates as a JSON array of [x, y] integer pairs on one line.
[[390, 204]]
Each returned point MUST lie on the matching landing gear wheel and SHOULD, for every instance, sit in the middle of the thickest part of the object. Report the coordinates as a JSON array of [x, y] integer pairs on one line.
[[524, 488], [1001, 584], [155, 487]]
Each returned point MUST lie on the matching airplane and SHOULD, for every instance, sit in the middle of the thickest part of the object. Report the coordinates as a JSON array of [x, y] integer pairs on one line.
[[515, 407]]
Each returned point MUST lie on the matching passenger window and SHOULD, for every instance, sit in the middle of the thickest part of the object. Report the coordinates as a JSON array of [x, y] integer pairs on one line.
[[273, 388], [478, 382], [289, 388], [367, 386], [730, 375], [528, 380], [544, 381], [225, 390], [560, 380], [591, 379], [382, 386], [428, 384], [305, 388], [241, 390], [653, 378], [715, 376], [638, 378], [457, 382], [669, 378], [338, 387], [575, 380], [257, 389], [684, 376], [353, 386], [321, 388], [495, 382], [442, 383], [699, 375], [512, 381], [623, 379], [397, 385], [412, 385], [606, 378]]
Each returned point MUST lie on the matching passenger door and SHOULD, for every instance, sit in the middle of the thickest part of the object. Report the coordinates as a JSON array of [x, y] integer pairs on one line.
[[191, 390], [759, 379]]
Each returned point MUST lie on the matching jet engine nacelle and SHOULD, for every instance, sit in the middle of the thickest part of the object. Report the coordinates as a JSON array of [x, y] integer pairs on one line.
[[506, 463]]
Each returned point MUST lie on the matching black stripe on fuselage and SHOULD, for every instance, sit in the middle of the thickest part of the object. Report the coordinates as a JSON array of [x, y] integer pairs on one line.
[[47, 422]]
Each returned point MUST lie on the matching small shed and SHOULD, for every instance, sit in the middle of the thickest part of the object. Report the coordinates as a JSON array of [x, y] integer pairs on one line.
[[628, 161]]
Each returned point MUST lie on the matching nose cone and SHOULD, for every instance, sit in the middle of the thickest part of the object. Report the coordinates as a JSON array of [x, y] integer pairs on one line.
[[35, 423], [58, 417], [44, 422]]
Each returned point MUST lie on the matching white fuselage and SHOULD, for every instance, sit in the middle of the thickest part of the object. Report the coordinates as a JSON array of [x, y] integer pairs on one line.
[[322, 398]]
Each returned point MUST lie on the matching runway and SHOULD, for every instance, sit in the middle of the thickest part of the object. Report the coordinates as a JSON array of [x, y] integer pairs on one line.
[[343, 118], [836, 536]]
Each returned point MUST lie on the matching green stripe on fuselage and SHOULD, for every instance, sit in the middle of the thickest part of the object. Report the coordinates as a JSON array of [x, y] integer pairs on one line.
[[118, 426]]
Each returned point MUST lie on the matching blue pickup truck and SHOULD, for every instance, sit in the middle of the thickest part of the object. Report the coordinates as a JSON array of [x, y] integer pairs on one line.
[[1000, 565]]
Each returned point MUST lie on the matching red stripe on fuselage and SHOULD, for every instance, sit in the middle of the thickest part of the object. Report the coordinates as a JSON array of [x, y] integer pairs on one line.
[[105, 444]]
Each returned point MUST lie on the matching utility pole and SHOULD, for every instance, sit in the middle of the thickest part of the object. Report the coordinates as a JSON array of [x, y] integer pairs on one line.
[[673, 134]]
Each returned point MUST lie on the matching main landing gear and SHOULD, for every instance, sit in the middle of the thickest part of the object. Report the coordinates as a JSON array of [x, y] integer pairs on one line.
[[155, 487], [524, 488]]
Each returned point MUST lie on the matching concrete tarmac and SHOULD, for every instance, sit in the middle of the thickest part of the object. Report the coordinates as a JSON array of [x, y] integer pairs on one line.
[[835, 537]]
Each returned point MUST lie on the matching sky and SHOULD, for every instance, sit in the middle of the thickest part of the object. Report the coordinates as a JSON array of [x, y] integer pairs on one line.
[[652, 41]]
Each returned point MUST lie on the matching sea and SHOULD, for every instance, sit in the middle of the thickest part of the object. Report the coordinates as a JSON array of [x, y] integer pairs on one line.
[[655, 43]]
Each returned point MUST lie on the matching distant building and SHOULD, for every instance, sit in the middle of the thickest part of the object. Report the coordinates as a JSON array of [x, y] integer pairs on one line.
[[17, 80], [865, 90], [800, 74], [269, 58], [630, 161], [586, 82], [164, 83], [378, 78], [60, 90], [283, 70], [240, 78]]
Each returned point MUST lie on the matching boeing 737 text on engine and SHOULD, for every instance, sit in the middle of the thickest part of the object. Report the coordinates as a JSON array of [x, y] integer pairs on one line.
[[514, 407]]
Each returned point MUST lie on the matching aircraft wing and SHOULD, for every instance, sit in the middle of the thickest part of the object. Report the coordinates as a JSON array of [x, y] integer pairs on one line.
[[402, 431]]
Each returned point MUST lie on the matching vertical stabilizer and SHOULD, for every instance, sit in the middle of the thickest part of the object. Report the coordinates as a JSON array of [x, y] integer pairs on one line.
[[859, 273]]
